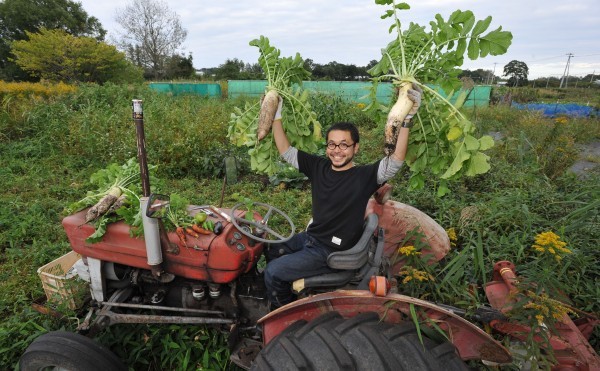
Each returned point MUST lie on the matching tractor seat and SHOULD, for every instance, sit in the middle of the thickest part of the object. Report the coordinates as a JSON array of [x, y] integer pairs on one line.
[[348, 262]]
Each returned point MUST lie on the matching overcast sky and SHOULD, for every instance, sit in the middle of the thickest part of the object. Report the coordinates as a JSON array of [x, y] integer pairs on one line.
[[351, 31]]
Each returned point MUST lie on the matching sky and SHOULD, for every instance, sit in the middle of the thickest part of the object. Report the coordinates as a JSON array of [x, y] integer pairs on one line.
[[544, 32]]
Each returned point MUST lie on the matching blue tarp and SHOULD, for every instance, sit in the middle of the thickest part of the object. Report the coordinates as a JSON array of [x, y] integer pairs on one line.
[[558, 109]]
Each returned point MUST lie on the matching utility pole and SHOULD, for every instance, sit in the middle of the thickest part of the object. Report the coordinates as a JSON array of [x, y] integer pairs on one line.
[[565, 76], [493, 75]]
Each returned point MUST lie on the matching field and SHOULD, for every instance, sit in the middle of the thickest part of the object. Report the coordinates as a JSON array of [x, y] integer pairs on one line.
[[51, 142]]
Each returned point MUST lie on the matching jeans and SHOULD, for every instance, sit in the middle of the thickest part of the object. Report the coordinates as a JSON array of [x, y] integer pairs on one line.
[[302, 256]]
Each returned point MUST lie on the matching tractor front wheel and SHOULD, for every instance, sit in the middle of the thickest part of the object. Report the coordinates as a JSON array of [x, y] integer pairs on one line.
[[62, 350], [363, 342]]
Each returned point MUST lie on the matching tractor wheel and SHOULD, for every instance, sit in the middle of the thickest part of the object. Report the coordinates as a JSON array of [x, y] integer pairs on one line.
[[363, 342], [64, 350]]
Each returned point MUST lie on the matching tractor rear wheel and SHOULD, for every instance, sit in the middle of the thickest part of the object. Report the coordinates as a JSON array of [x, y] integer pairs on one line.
[[363, 342], [64, 350]]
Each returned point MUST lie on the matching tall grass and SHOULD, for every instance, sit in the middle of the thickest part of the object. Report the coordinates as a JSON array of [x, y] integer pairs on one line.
[[49, 147]]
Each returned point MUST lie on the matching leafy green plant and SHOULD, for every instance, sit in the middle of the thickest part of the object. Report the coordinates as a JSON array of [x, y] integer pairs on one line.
[[125, 179], [287, 177], [442, 141], [284, 75]]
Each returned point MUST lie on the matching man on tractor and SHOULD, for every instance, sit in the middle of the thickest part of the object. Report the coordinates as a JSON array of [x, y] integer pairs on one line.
[[340, 192]]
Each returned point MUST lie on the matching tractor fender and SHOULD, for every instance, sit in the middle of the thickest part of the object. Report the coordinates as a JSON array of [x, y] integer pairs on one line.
[[402, 222], [470, 341]]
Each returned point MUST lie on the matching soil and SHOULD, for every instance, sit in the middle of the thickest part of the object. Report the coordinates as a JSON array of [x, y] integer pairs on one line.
[[589, 160]]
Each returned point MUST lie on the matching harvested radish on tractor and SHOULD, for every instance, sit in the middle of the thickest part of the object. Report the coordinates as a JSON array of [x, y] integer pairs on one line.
[[117, 188], [103, 205], [340, 192]]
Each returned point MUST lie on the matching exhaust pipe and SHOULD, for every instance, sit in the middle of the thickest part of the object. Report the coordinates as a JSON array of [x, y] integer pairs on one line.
[[152, 227], [152, 237]]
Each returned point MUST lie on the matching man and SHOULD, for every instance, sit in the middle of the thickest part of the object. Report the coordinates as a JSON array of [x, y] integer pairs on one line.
[[340, 192]]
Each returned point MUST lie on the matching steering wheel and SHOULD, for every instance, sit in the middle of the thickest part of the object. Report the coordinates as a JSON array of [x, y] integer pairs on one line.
[[261, 225]]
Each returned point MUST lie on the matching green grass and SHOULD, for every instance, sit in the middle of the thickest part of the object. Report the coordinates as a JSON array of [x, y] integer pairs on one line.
[[49, 148]]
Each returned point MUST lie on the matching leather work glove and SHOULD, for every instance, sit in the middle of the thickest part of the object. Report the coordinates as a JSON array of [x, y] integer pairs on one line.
[[279, 107]]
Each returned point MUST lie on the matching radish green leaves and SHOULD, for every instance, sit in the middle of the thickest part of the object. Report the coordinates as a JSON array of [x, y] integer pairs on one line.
[[442, 140], [285, 75]]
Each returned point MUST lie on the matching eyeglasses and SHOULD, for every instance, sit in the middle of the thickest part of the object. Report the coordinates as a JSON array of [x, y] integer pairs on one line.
[[342, 146]]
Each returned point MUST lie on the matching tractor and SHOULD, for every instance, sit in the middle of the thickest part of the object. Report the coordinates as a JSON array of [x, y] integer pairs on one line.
[[351, 319]]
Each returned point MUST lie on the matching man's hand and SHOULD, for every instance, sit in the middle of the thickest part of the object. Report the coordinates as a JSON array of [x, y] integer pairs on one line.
[[279, 107], [414, 95]]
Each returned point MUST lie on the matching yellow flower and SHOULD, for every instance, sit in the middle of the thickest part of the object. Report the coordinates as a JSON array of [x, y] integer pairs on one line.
[[544, 308], [452, 236], [550, 243], [561, 120], [409, 251], [411, 273], [540, 319]]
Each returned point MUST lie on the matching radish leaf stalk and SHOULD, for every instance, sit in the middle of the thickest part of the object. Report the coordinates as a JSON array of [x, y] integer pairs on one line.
[[284, 77], [443, 139]]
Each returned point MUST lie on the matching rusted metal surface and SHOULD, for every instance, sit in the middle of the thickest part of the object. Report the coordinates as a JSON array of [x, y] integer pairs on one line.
[[158, 307], [568, 344], [115, 318], [209, 257], [106, 317], [138, 119], [470, 341], [400, 220]]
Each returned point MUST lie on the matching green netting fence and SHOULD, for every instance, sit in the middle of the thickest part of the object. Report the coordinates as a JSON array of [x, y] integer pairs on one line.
[[352, 91], [203, 89]]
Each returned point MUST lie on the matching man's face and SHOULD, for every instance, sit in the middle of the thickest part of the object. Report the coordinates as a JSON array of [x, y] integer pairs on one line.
[[341, 159]]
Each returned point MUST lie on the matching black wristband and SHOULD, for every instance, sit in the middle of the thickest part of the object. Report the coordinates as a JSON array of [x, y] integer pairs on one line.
[[407, 124]]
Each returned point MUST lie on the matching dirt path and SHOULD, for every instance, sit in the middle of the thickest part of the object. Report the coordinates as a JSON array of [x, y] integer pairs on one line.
[[589, 160]]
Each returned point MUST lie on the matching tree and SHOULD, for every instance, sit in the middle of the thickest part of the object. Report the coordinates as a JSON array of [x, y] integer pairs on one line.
[[252, 72], [153, 34], [179, 66], [58, 56], [479, 76], [230, 70], [17, 17], [517, 71], [309, 65]]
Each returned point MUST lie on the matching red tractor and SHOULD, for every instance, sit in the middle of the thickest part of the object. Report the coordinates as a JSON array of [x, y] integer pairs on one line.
[[351, 319]]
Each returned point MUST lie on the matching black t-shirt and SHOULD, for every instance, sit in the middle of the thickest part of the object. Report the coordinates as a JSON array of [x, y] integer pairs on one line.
[[339, 199]]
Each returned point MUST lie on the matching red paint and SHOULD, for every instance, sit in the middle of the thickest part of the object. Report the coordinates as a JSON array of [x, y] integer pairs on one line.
[[397, 219], [569, 345], [470, 341], [208, 258]]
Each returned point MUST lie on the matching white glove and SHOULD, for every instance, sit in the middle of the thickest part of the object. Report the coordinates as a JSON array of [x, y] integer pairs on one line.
[[414, 95], [279, 107]]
